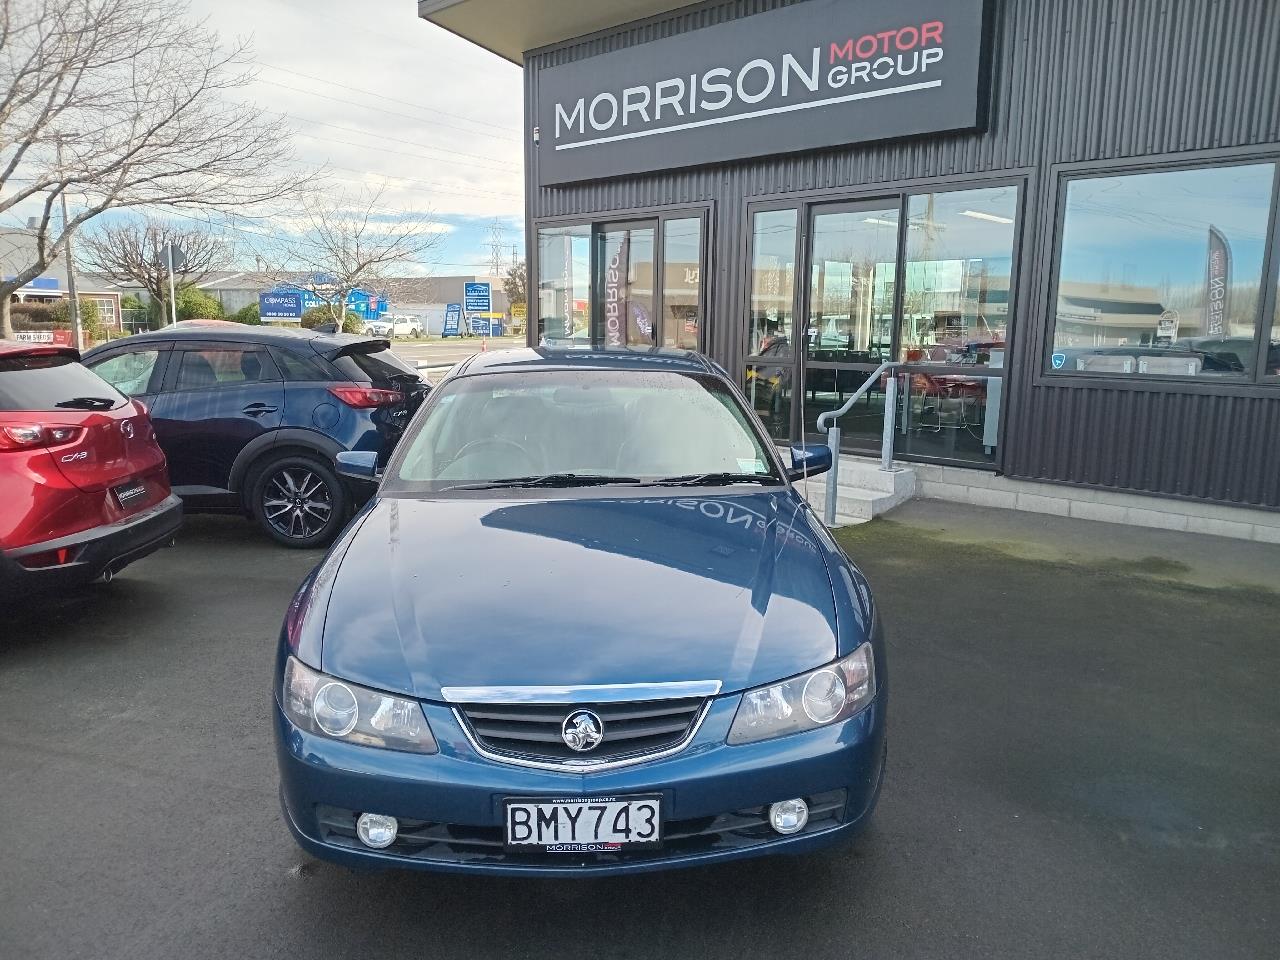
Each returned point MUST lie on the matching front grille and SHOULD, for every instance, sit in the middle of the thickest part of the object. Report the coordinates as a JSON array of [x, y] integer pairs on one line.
[[456, 843], [532, 731]]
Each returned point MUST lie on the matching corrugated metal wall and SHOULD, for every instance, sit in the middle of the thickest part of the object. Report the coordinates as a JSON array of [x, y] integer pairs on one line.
[[1072, 80]]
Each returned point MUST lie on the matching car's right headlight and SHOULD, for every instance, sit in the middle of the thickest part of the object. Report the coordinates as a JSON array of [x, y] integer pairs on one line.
[[334, 708], [826, 695]]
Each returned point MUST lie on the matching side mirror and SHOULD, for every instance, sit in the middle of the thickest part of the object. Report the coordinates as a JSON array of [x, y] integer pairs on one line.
[[808, 460], [358, 464]]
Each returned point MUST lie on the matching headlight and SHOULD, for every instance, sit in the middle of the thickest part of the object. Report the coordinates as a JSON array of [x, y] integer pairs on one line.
[[344, 711], [831, 693]]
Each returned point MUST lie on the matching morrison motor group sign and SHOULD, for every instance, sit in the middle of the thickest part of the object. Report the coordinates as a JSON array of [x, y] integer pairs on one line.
[[819, 73]]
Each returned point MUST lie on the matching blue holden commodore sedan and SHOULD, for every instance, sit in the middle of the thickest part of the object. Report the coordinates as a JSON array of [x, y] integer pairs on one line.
[[586, 626]]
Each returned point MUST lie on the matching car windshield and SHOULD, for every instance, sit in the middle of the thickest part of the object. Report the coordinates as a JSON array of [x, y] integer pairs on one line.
[[579, 428]]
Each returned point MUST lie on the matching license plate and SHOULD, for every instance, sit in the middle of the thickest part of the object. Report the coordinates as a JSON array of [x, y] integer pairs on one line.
[[130, 492], [585, 825]]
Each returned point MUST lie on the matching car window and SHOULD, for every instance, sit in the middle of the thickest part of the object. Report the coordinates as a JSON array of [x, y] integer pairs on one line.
[[223, 366], [641, 424], [130, 372], [372, 367], [298, 366], [43, 382]]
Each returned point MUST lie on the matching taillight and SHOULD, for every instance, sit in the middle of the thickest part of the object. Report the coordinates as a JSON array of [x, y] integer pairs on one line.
[[50, 558], [31, 436], [366, 397]]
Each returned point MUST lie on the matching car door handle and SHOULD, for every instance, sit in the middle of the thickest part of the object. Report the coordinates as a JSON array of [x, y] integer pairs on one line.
[[258, 409]]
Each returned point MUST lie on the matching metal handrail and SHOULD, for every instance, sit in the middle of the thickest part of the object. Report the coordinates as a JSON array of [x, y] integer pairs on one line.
[[828, 424]]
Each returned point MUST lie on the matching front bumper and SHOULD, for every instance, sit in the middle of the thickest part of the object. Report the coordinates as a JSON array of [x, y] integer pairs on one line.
[[93, 552], [713, 796]]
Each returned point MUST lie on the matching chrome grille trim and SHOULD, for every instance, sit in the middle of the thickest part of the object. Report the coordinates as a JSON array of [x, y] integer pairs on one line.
[[581, 765], [587, 693]]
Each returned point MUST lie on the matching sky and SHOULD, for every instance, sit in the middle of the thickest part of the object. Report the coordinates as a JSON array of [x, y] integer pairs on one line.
[[377, 94]]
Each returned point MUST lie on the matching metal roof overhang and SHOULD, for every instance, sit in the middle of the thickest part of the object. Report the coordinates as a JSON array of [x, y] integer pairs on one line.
[[510, 27]]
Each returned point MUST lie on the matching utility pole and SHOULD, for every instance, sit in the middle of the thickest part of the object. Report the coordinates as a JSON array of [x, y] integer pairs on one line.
[[71, 266], [173, 299]]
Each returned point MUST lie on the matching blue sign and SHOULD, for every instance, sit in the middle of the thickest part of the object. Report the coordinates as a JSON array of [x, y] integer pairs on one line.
[[41, 283], [280, 306], [452, 320], [479, 326], [1058, 360], [478, 298]]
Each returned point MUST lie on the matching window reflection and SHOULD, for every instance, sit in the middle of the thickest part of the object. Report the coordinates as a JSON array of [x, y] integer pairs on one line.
[[1160, 273], [626, 287], [564, 284], [955, 305], [949, 416], [768, 388], [681, 282], [773, 278], [851, 287]]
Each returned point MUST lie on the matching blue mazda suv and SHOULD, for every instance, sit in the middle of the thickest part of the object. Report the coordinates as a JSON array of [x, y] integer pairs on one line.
[[251, 418], [586, 625]]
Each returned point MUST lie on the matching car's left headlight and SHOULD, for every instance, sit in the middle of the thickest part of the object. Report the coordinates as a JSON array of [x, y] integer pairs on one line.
[[826, 695], [335, 708]]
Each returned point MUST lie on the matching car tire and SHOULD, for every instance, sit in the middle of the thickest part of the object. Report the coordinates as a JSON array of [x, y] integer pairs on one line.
[[298, 501]]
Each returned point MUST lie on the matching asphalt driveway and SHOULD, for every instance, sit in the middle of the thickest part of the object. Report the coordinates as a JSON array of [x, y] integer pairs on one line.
[[1084, 762]]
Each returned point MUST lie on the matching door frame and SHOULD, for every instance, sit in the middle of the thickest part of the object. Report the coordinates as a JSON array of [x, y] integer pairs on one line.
[[811, 203]]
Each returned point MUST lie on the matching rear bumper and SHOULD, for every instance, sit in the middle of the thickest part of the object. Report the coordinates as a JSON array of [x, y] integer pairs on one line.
[[110, 547], [713, 796]]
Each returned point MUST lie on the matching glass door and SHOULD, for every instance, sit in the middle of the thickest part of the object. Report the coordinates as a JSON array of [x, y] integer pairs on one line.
[[625, 258], [848, 321]]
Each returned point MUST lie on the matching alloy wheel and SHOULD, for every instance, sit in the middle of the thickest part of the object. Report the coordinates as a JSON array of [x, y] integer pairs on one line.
[[297, 502]]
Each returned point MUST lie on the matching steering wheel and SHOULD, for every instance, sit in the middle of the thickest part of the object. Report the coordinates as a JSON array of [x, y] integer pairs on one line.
[[497, 443]]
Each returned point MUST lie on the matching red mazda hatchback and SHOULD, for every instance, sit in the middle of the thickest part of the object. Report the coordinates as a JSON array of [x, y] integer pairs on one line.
[[83, 484]]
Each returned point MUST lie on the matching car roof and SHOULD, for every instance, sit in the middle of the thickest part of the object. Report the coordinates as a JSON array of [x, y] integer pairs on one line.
[[525, 359], [16, 348], [233, 332]]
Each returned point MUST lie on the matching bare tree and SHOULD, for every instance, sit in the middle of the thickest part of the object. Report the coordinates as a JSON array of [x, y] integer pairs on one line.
[[346, 242], [134, 250], [123, 103]]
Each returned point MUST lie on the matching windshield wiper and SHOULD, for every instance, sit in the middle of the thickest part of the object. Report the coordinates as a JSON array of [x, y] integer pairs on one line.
[[712, 480], [547, 480], [87, 403]]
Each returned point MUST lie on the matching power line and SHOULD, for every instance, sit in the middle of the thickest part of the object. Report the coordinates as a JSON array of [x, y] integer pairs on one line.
[[383, 96], [511, 167], [393, 113], [400, 153]]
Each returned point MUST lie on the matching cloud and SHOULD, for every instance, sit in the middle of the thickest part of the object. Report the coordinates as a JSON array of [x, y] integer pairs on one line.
[[378, 96]]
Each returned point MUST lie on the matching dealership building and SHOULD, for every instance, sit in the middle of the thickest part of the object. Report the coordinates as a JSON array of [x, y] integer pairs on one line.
[[1056, 217]]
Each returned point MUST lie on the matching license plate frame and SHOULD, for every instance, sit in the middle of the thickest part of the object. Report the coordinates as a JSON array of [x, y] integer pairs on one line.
[[128, 493], [583, 834]]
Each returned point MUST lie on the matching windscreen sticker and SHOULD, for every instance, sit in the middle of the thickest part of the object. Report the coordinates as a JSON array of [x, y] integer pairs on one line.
[[751, 466]]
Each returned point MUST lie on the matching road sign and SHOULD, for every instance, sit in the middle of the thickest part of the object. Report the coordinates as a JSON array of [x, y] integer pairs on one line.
[[478, 297], [452, 320]]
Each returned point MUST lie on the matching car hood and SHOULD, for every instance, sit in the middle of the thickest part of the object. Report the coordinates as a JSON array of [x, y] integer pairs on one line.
[[593, 589]]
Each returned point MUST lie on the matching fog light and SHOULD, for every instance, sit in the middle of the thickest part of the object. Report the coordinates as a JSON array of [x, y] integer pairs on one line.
[[379, 832], [789, 816]]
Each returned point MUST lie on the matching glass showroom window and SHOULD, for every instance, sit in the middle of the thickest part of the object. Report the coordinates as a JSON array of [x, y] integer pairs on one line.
[[773, 283], [681, 282], [1160, 274], [564, 283], [771, 321]]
